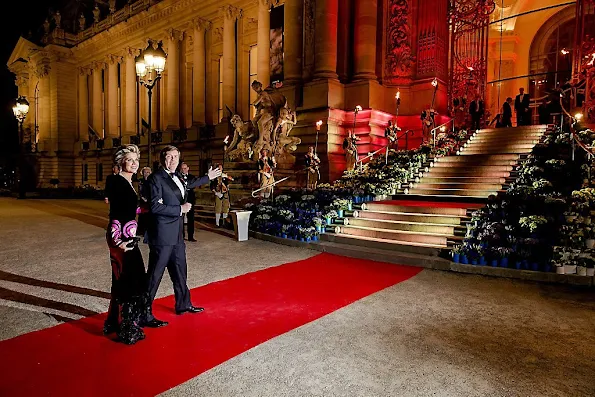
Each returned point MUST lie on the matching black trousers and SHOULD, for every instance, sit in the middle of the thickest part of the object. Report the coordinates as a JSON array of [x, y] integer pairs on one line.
[[190, 224], [172, 257], [475, 122]]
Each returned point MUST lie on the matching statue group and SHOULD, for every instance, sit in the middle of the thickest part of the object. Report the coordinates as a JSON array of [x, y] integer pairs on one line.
[[268, 130]]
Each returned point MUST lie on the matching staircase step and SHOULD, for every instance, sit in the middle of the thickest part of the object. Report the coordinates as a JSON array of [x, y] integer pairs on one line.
[[401, 225], [379, 243], [454, 185], [436, 219], [431, 239], [462, 168], [469, 152], [422, 210], [463, 179], [455, 192], [469, 172], [472, 161], [487, 157]]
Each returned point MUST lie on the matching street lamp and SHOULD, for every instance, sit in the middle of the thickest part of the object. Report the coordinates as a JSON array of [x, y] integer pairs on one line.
[[398, 99], [149, 67], [20, 110]]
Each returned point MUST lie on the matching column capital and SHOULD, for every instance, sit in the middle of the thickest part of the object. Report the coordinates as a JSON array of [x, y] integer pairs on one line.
[[130, 52], [201, 24], [84, 71], [114, 59], [174, 35], [99, 65], [42, 70], [22, 80], [266, 3], [230, 12]]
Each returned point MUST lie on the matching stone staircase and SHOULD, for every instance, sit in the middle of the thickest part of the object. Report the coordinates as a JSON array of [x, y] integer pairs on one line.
[[428, 216]]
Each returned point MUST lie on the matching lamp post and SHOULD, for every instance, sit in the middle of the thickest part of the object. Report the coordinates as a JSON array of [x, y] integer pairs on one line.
[[149, 66], [357, 109], [318, 125], [20, 110], [398, 99]]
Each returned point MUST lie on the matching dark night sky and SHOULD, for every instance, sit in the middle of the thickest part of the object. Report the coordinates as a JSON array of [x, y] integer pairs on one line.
[[17, 18]]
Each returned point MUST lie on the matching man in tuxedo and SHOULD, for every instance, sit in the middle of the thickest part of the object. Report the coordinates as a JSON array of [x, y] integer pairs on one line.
[[506, 120], [168, 195], [521, 107], [186, 176], [109, 181], [476, 111]]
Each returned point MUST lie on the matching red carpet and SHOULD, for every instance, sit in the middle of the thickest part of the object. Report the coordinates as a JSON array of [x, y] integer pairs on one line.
[[434, 204], [242, 312]]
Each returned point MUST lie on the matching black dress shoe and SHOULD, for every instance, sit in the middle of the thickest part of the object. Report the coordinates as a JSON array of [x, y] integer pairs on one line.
[[191, 239], [154, 323], [191, 309]]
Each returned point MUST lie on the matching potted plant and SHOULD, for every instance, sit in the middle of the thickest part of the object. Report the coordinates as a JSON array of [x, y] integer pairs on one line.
[[581, 267], [317, 224], [330, 215], [504, 254], [456, 252]]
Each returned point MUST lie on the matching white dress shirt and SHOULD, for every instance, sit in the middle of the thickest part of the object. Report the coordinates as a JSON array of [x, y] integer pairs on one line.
[[179, 183]]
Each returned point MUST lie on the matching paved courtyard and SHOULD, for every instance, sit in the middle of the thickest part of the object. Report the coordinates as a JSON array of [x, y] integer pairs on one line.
[[437, 333]]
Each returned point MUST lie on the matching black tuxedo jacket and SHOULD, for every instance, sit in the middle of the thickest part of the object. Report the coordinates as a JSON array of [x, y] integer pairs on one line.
[[166, 225], [476, 111], [521, 106]]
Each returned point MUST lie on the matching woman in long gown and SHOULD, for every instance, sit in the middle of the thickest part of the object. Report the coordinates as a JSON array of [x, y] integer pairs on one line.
[[266, 168], [129, 296], [350, 147]]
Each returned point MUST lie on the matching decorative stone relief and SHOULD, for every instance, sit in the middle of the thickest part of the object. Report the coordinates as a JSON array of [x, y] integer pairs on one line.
[[309, 29], [113, 59], [174, 35], [217, 35], [58, 19], [231, 12], [42, 70], [399, 58], [250, 24], [201, 24], [96, 14], [82, 22]]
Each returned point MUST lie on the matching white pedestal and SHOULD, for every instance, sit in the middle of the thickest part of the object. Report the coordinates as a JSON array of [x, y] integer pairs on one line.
[[240, 224]]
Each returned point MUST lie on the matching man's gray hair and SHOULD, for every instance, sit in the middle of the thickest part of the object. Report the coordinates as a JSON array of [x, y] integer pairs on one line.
[[123, 151]]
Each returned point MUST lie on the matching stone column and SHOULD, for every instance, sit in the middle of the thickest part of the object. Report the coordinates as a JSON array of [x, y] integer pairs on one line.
[[327, 17], [264, 42], [130, 105], [172, 110], [83, 99], [230, 15], [292, 62], [113, 114], [97, 99], [199, 73], [45, 114], [366, 15]]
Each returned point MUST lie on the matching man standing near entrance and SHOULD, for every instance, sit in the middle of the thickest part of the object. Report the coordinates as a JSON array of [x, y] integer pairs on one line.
[[168, 197], [186, 176], [521, 107]]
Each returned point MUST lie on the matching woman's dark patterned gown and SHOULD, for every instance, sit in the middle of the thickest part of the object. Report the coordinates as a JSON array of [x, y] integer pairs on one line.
[[129, 296]]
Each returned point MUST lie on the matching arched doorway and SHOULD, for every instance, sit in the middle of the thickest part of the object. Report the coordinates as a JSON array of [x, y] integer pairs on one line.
[[550, 59]]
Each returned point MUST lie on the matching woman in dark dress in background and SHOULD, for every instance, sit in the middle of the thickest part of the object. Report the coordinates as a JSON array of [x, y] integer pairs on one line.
[[129, 296]]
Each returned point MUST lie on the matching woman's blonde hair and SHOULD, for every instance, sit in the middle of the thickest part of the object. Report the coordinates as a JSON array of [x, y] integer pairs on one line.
[[123, 151]]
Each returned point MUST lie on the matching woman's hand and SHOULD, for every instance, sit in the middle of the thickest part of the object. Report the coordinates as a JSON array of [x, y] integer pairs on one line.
[[124, 247]]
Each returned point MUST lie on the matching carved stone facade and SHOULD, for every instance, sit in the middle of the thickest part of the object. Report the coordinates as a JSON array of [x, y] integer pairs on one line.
[[209, 68]]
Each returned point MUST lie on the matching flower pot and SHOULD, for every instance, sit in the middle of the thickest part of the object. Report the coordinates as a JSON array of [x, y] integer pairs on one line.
[[590, 243], [581, 270], [525, 264], [350, 206], [318, 228], [569, 269], [308, 239], [590, 271], [314, 238], [340, 213], [494, 262], [302, 239], [504, 262], [329, 221], [474, 261], [482, 261], [456, 258], [464, 260], [547, 268], [518, 265], [534, 267], [283, 235], [560, 270], [323, 229]]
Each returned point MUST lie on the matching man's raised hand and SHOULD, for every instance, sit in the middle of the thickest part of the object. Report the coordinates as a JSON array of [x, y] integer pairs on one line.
[[214, 173]]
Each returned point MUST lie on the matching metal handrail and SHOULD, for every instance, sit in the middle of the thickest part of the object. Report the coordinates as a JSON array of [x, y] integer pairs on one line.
[[433, 132], [386, 147]]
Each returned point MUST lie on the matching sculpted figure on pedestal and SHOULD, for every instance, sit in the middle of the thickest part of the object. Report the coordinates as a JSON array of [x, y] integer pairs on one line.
[[269, 129]]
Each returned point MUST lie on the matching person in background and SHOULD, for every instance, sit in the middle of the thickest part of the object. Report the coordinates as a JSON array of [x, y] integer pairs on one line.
[[506, 120], [108, 182], [521, 107], [476, 111], [186, 176], [544, 112], [220, 188], [313, 163], [266, 170]]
